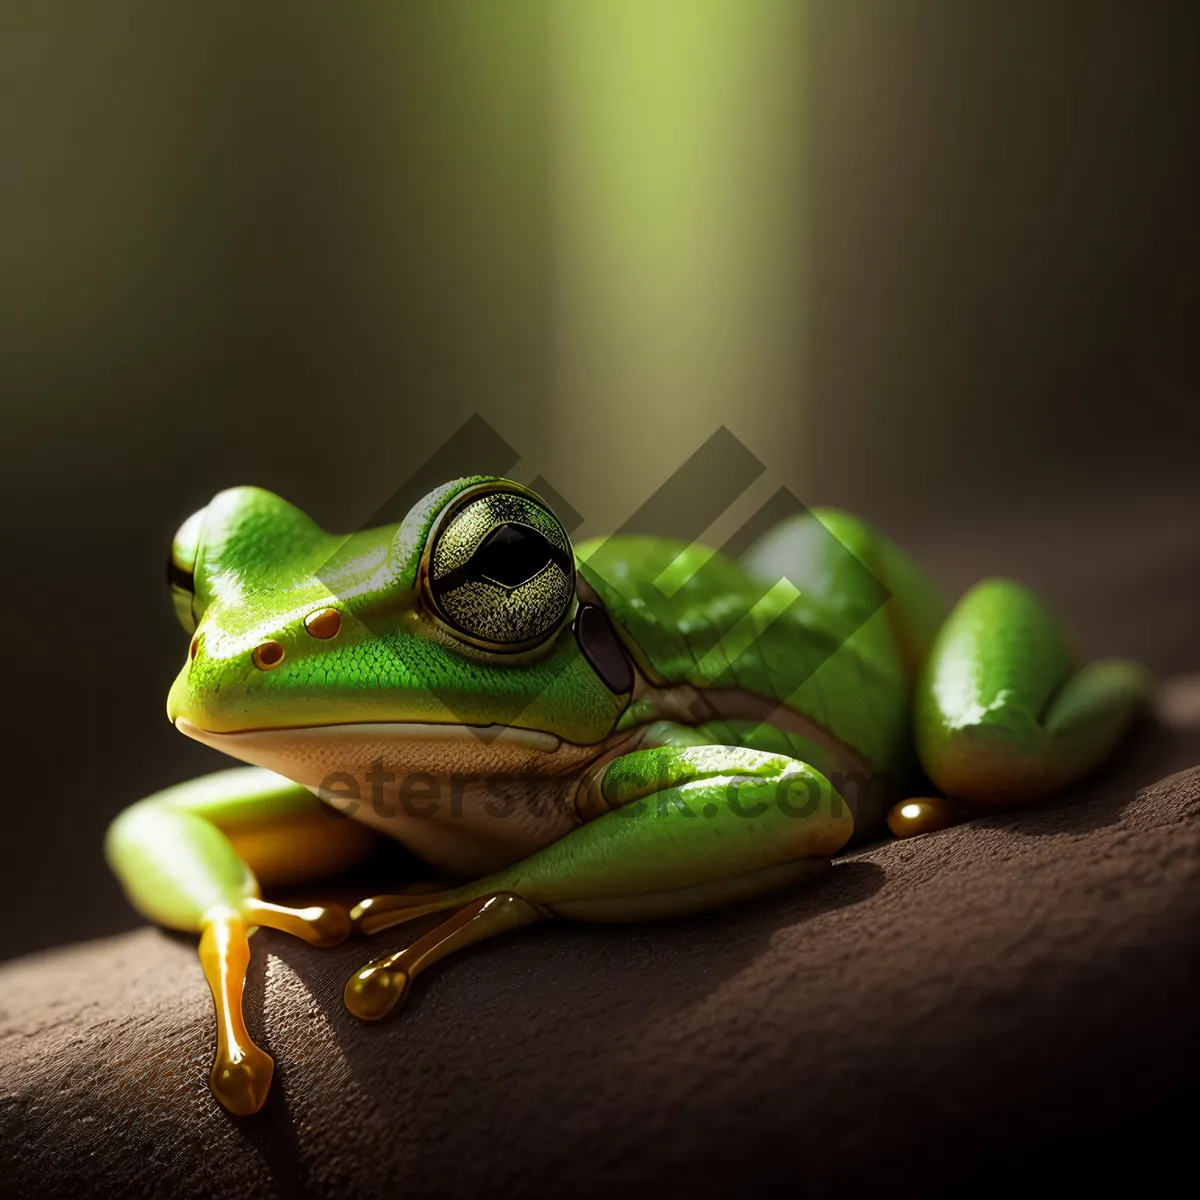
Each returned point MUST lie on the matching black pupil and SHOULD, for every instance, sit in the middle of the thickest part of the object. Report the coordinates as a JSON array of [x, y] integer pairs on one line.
[[511, 555]]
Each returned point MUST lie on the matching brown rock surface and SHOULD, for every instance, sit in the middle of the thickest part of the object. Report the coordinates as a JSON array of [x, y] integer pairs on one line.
[[1011, 996]]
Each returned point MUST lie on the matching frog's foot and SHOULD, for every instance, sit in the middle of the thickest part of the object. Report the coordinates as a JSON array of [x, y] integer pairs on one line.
[[374, 991], [189, 858], [1003, 719], [241, 1073]]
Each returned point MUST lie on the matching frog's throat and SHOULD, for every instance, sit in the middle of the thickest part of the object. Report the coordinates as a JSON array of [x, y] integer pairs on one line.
[[467, 798]]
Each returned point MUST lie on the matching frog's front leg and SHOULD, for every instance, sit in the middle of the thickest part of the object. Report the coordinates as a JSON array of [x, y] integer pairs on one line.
[[191, 858], [681, 829], [1002, 718]]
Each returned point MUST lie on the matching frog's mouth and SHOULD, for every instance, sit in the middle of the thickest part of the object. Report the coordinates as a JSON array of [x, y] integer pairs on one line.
[[416, 730], [313, 754], [336, 760]]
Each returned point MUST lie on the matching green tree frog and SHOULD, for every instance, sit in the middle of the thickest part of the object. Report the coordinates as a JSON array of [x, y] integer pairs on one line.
[[630, 729]]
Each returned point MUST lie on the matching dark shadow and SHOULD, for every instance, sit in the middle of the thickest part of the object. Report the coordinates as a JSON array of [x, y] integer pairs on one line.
[[1152, 752], [270, 1133], [662, 962], [1112, 1158]]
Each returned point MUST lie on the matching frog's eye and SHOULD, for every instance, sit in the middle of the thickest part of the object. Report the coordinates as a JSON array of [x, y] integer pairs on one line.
[[498, 569], [181, 569]]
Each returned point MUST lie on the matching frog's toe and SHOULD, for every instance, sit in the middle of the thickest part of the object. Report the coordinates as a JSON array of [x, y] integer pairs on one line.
[[924, 814], [377, 913], [373, 992], [319, 924], [241, 1080], [329, 924]]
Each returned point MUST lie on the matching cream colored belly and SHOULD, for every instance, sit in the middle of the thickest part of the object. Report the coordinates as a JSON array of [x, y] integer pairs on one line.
[[467, 799]]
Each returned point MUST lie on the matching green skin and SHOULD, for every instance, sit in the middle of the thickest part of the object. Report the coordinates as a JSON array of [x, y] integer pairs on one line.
[[771, 699]]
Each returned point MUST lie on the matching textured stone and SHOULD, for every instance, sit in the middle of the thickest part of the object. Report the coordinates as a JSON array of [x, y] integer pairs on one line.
[[1010, 996]]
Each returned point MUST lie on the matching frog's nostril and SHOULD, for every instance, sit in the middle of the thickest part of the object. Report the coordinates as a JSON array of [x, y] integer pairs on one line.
[[324, 623], [267, 656], [194, 648]]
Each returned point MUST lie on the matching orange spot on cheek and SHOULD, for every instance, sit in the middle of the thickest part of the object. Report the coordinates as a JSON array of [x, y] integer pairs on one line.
[[325, 623]]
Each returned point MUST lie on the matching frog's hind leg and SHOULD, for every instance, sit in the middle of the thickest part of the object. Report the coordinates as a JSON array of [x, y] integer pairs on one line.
[[684, 828], [823, 551], [189, 858], [1002, 718]]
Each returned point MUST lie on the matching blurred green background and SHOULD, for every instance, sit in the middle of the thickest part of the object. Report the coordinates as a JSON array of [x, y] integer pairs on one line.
[[937, 262]]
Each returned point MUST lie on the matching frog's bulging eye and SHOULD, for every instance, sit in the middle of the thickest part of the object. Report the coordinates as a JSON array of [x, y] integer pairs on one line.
[[183, 594], [181, 567], [498, 569]]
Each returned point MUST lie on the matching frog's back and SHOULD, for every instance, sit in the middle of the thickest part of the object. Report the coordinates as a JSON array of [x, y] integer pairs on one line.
[[822, 615]]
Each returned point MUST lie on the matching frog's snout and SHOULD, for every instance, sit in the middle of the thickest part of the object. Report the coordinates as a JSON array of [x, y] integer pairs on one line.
[[214, 689], [322, 624]]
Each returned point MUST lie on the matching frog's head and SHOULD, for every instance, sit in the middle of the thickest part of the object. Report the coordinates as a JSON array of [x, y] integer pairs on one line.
[[462, 617]]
